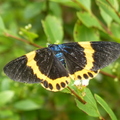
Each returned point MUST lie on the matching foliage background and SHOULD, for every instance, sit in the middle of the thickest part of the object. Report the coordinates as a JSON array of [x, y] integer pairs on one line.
[[69, 20]]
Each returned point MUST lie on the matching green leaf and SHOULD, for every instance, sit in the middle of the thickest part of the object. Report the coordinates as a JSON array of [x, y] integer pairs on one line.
[[114, 3], [53, 29], [82, 33], [89, 20], [85, 3], [61, 1], [108, 10], [33, 9], [6, 113], [105, 106], [66, 2], [56, 9], [115, 28], [108, 19], [26, 105], [5, 84], [28, 35], [90, 107], [2, 26], [5, 97]]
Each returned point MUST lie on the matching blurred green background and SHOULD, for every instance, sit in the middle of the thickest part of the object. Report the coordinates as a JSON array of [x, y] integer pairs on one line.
[[69, 20]]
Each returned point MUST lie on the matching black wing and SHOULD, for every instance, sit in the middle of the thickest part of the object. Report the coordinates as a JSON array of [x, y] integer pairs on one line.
[[84, 59], [104, 53], [39, 66], [25, 68]]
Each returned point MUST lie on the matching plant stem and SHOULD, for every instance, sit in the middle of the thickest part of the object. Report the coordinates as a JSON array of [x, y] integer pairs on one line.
[[77, 96], [113, 8], [101, 118], [107, 30], [23, 40], [107, 74]]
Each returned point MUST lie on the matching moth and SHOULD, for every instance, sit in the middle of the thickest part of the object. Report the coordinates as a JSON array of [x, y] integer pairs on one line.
[[54, 66]]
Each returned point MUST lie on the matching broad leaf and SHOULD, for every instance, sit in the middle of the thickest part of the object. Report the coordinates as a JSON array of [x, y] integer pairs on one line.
[[82, 33], [53, 29], [33, 9], [5, 97], [26, 105]]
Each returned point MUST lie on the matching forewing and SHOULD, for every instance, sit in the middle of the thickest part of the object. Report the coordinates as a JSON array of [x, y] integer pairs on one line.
[[31, 68], [84, 59], [39, 66], [104, 53]]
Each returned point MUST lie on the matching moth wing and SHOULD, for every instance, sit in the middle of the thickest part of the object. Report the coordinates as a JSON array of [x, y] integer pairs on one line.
[[104, 53], [58, 77], [31, 68], [40, 66], [84, 59]]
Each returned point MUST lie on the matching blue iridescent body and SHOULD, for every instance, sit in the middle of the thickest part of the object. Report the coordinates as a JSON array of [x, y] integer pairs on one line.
[[58, 51]]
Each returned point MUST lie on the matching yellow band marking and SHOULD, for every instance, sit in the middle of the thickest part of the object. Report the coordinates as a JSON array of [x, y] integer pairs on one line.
[[81, 73], [88, 50], [32, 63]]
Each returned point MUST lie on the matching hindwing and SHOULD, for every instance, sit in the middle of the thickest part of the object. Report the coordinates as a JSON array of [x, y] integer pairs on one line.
[[39, 66]]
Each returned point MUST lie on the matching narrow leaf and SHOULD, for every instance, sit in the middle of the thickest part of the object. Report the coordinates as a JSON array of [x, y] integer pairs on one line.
[[90, 107], [28, 35], [89, 20], [113, 3], [115, 28], [105, 107], [66, 2], [108, 10], [107, 18], [85, 4], [2, 26]]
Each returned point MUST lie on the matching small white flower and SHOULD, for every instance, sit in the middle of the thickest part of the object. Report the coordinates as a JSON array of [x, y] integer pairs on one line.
[[28, 26], [85, 82], [82, 82], [77, 82], [20, 32]]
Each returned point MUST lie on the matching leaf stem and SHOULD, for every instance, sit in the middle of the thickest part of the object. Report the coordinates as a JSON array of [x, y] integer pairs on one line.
[[107, 74], [107, 30], [23, 40], [113, 8], [77, 96], [101, 118]]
